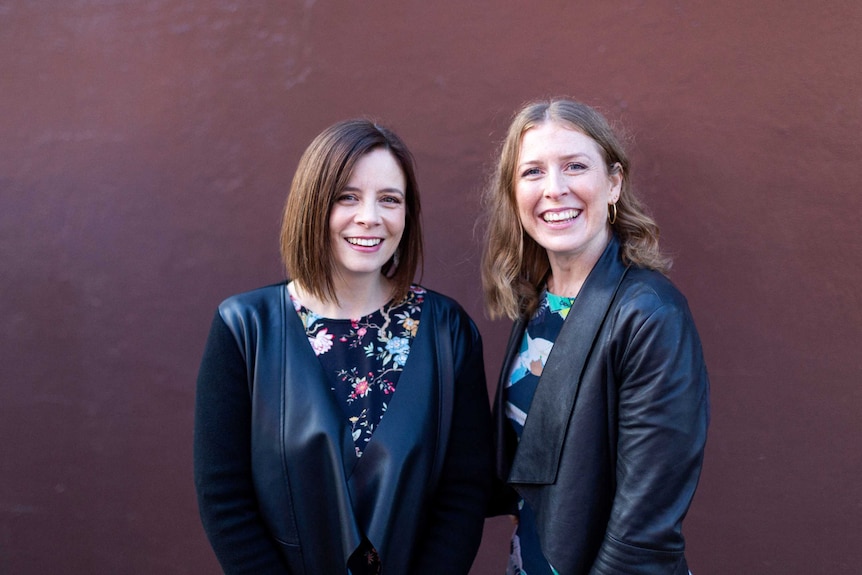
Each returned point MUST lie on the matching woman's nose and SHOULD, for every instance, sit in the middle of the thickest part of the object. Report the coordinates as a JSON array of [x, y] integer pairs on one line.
[[555, 184], [368, 213]]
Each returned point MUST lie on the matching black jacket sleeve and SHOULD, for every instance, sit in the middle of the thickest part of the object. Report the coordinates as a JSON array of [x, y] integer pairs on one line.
[[663, 418], [222, 461], [453, 531]]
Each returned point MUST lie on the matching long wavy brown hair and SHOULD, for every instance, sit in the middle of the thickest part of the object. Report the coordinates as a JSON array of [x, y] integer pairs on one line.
[[514, 266]]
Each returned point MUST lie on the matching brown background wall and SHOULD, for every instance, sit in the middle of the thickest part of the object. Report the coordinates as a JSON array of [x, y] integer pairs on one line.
[[146, 148]]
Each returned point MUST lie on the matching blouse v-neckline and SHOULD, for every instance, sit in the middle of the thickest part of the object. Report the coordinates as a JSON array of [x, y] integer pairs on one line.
[[316, 329]]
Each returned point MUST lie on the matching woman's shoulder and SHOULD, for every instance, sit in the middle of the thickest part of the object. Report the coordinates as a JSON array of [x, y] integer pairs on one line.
[[258, 299], [649, 298], [650, 289], [444, 317], [441, 301], [444, 306]]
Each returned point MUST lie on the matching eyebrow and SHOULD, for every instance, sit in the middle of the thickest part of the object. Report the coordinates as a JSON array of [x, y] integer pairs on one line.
[[380, 191], [564, 158]]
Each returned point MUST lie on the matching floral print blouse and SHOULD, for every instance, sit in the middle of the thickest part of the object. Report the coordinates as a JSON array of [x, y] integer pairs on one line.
[[526, 556], [364, 358]]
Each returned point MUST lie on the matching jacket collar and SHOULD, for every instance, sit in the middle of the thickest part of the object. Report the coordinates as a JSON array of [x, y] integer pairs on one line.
[[537, 458]]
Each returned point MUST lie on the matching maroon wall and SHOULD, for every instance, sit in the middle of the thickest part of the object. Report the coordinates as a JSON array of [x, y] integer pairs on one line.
[[146, 148]]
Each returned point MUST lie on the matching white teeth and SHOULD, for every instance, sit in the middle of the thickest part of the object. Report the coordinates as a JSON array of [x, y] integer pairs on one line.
[[366, 243], [560, 216]]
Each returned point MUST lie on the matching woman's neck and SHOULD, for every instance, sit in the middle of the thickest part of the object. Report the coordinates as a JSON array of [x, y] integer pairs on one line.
[[355, 298], [568, 274], [565, 281]]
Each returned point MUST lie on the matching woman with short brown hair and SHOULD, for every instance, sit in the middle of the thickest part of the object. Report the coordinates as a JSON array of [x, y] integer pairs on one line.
[[342, 423]]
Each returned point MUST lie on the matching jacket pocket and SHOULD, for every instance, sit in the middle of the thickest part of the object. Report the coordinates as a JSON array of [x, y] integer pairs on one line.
[[292, 554]]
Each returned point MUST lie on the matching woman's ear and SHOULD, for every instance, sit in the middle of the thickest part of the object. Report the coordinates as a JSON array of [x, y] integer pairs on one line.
[[616, 175]]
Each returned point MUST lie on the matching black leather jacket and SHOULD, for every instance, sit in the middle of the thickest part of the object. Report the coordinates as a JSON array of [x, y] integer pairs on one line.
[[611, 452], [280, 488]]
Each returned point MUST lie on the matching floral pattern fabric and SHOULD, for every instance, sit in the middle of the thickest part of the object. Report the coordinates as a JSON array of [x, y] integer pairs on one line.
[[526, 556], [364, 358]]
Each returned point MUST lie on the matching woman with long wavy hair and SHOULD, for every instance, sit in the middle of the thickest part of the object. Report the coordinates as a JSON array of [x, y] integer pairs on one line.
[[603, 400]]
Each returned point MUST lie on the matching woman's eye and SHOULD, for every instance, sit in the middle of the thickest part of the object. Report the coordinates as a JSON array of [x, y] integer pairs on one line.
[[391, 200], [575, 166], [347, 197], [530, 172]]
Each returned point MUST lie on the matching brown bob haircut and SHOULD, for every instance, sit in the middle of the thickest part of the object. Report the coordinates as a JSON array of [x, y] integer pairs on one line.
[[514, 266], [323, 171]]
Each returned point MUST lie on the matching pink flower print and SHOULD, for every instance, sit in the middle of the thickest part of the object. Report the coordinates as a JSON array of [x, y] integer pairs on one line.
[[360, 388], [361, 332], [321, 342]]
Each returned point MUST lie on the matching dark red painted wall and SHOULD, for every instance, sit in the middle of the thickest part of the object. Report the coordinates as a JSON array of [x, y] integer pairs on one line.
[[146, 149]]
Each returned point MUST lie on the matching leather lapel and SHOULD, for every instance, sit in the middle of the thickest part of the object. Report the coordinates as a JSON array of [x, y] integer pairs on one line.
[[506, 441], [537, 458], [389, 480], [308, 394], [408, 406], [311, 416]]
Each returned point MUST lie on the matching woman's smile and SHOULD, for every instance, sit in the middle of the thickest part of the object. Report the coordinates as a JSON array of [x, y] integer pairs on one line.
[[365, 242], [560, 216]]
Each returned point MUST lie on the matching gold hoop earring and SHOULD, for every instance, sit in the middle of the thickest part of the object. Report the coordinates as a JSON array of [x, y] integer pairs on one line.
[[612, 217]]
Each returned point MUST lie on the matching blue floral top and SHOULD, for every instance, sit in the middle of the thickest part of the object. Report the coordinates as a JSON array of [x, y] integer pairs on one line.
[[364, 358], [526, 556]]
